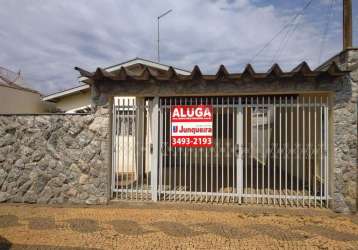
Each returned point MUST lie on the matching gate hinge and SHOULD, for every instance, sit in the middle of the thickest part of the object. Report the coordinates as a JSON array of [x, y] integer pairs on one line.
[[151, 148]]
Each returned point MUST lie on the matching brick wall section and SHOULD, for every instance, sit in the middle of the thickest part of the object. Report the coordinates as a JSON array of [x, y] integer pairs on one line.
[[55, 158]]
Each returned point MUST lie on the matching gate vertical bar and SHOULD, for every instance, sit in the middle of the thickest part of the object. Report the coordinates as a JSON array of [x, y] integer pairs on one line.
[[196, 165], [274, 150], [246, 145], [297, 148], [113, 146], [263, 151], [206, 164], [321, 122], [201, 165], [134, 172], [190, 173], [175, 163], [228, 146], [303, 149], [161, 148], [286, 142], [143, 144], [326, 151], [170, 150], [122, 128], [268, 148], [127, 123], [280, 150], [234, 142], [222, 149], [155, 146], [315, 150], [217, 148], [185, 167], [239, 140], [150, 146], [165, 147], [118, 132], [180, 164], [309, 151], [251, 150], [212, 159], [257, 149], [291, 140], [136, 115]]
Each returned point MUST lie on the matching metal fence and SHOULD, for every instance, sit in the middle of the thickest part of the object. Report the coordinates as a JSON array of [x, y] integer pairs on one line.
[[267, 150]]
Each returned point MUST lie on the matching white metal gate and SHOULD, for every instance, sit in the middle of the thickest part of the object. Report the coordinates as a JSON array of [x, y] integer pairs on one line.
[[267, 150], [130, 149]]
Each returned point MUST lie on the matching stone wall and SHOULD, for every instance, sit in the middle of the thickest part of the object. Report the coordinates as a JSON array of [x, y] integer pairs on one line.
[[344, 134], [54, 158], [345, 173]]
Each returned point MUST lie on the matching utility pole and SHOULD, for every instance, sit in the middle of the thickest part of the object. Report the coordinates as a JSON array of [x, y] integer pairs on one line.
[[158, 19], [347, 24]]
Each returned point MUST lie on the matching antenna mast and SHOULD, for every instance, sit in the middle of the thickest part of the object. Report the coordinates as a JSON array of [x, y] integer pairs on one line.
[[158, 39]]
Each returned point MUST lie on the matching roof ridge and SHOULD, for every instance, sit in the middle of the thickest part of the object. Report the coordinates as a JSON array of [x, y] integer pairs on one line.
[[147, 60], [302, 70]]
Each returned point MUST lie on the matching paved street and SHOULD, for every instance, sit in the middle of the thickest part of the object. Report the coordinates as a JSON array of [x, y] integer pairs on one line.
[[174, 226]]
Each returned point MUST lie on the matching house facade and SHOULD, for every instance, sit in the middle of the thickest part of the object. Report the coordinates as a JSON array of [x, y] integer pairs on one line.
[[275, 138], [160, 134]]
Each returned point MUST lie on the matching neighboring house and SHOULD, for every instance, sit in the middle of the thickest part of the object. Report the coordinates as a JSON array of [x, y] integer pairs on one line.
[[16, 97], [78, 99]]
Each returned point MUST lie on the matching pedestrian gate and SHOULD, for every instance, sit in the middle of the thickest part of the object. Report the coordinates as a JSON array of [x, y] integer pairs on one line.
[[266, 149]]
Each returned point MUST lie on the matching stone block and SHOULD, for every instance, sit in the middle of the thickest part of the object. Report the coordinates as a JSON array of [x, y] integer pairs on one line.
[[4, 196]]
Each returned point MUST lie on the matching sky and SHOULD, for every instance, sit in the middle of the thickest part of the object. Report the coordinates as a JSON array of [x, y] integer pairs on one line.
[[47, 39]]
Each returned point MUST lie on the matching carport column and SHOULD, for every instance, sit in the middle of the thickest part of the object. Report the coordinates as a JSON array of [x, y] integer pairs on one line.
[[154, 113]]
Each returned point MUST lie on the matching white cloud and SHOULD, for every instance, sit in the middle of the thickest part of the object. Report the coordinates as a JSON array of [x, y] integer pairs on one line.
[[46, 39]]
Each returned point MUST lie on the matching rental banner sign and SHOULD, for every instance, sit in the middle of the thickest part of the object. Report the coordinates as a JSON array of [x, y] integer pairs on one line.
[[191, 126]]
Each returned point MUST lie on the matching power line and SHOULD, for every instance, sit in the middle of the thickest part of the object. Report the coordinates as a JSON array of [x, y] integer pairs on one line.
[[284, 41], [325, 31], [283, 28]]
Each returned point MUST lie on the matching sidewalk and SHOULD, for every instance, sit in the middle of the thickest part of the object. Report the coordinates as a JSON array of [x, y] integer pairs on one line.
[[174, 226]]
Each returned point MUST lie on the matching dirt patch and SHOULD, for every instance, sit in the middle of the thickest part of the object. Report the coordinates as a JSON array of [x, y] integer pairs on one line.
[[42, 223], [9, 220], [355, 219], [329, 233], [128, 227], [278, 233], [83, 225], [175, 229], [226, 231]]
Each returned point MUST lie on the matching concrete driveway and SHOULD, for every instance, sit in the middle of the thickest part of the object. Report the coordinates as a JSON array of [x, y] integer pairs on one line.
[[125, 225]]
